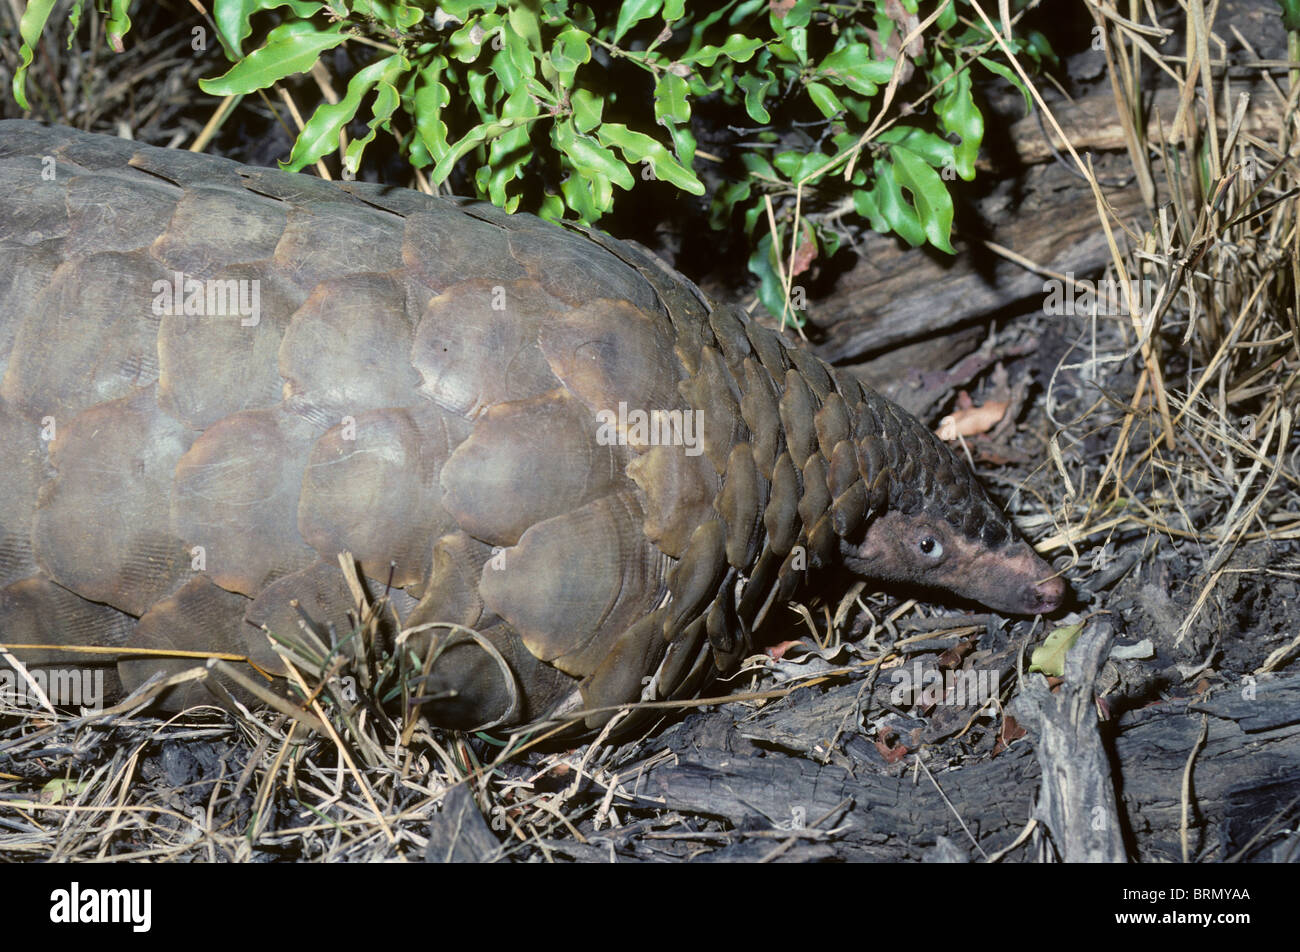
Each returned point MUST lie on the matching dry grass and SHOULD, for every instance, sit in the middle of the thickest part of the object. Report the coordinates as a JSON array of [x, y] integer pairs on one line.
[[1198, 381], [328, 776]]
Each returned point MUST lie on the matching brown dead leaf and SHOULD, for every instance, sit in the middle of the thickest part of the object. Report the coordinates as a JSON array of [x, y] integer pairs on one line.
[[891, 751], [1009, 731], [968, 420], [805, 254], [777, 651], [951, 659]]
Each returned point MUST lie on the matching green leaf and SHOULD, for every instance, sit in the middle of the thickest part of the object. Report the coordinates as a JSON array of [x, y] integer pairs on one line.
[[512, 65], [864, 202], [397, 15], [683, 144], [700, 85], [787, 163], [826, 101], [232, 19], [632, 12], [853, 66], [741, 48], [785, 52], [771, 292], [74, 24], [416, 152], [843, 141], [1290, 15], [462, 10], [885, 27], [321, 133], [519, 53], [578, 191], [30, 27], [509, 153], [671, 103], [797, 166], [1010, 76], [233, 26], [929, 196], [948, 18], [725, 199], [475, 137], [60, 789], [540, 91], [830, 241], [1040, 47], [894, 209], [522, 104], [476, 81], [290, 48], [638, 147], [431, 97], [589, 156], [861, 108], [796, 17], [572, 48], [756, 88], [957, 110], [699, 28], [1049, 657], [934, 149], [757, 164], [466, 44], [552, 207], [737, 47], [523, 20], [117, 24], [386, 102], [587, 109], [809, 168], [747, 9]]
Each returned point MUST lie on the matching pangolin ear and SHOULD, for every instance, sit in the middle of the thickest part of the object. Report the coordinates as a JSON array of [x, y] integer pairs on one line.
[[875, 546]]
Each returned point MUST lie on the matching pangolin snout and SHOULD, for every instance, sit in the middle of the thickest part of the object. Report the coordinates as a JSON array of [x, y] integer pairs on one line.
[[1030, 585], [1014, 592], [1045, 597], [1050, 595]]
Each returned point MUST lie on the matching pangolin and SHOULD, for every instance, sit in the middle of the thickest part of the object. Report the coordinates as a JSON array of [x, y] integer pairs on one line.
[[216, 378]]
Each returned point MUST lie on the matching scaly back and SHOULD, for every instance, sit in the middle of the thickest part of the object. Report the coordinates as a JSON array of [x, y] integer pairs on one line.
[[215, 378]]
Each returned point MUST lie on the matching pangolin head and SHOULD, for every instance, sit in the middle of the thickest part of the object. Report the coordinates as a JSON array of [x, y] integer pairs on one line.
[[932, 524]]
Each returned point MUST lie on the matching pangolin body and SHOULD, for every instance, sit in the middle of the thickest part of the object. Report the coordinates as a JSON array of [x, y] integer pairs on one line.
[[214, 379]]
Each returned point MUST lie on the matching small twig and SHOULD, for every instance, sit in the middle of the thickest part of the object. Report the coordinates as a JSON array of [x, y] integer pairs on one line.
[[1186, 794]]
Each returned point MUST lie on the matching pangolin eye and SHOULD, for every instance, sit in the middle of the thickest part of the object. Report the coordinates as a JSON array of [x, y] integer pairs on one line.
[[932, 547]]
